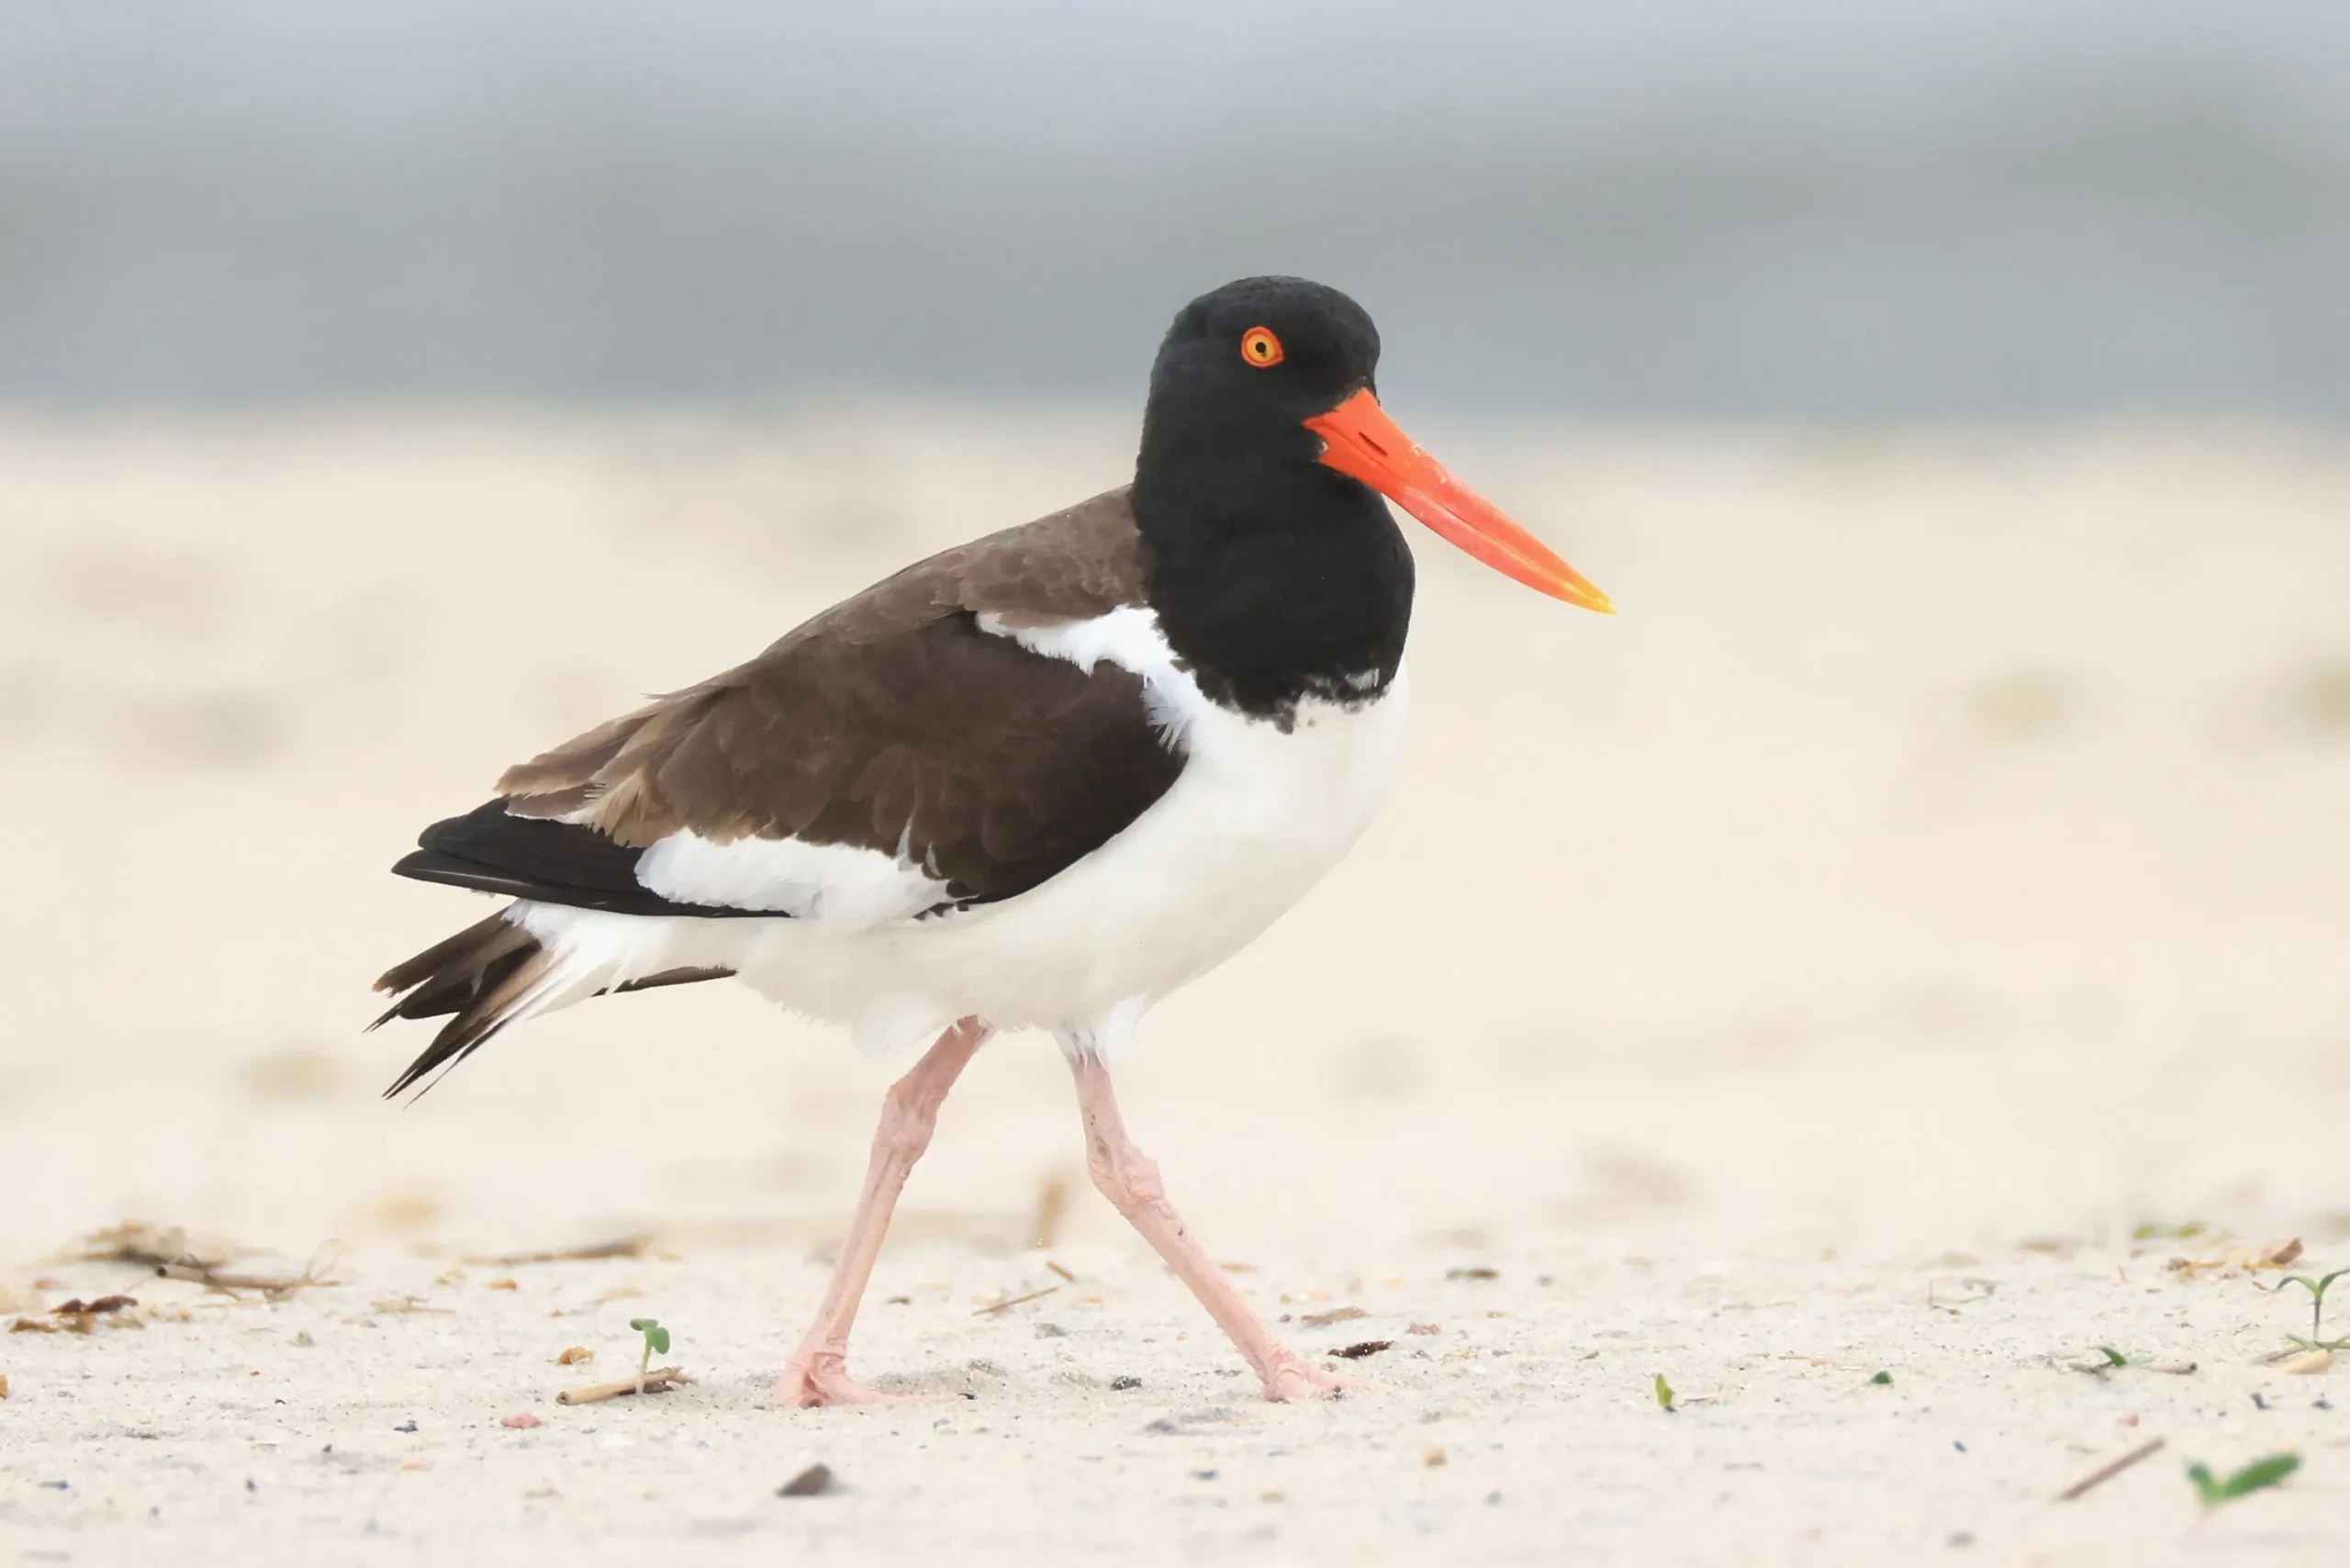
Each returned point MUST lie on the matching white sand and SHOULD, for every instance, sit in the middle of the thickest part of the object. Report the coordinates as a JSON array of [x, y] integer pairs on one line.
[[1939, 870]]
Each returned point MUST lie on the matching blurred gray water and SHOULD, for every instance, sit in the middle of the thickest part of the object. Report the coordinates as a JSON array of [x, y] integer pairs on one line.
[[1814, 208]]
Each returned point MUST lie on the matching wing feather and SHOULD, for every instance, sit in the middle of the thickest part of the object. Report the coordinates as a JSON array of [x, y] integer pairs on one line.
[[894, 724]]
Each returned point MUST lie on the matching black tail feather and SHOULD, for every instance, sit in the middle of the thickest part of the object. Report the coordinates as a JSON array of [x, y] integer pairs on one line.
[[475, 979]]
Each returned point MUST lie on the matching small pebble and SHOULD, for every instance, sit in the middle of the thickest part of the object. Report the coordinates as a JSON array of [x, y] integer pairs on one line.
[[1433, 1459], [1051, 1331], [519, 1420], [812, 1482], [405, 1427], [1121, 1384], [571, 1355]]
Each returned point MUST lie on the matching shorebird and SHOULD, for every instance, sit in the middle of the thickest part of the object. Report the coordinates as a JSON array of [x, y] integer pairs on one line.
[[1037, 781]]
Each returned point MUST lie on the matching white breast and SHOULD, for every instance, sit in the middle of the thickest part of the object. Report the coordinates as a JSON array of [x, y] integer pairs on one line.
[[1258, 815]]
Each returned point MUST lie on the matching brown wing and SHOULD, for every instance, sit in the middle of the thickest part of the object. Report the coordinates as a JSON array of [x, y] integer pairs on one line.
[[890, 723]]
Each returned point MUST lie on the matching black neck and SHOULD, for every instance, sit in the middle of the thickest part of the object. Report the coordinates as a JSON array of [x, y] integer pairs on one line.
[[1274, 579]]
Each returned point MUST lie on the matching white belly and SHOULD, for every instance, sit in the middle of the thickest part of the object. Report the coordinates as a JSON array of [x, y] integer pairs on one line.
[[1258, 815]]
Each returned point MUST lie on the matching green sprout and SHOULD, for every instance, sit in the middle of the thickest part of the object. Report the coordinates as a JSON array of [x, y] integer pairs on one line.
[[656, 1343], [2113, 1357], [1664, 1395], [1883, 1378], [2260, 1475], [2316, 1341]]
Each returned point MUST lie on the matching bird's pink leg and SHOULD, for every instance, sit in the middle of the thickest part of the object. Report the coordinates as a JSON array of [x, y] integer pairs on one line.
[[817, 1372], [1129, 1178]]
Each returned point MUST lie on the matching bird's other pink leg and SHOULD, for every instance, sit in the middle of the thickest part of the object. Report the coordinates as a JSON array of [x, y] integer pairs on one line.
[[1129, 1178], [818, 1372]]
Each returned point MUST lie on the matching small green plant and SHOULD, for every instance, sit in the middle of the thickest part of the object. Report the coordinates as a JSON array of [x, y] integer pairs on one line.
[[656, 1343], [1664, 1395], [2259, 1476], [1883, 1379], [2113, 1357], [2317, 1288], [2158, 1230]]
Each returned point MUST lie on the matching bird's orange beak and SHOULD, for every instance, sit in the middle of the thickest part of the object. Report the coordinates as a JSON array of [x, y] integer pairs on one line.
[[1359, 440]]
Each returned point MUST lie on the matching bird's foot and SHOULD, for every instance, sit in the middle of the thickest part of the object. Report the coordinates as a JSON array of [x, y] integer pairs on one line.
[[822, 1378], [1289, 1375]]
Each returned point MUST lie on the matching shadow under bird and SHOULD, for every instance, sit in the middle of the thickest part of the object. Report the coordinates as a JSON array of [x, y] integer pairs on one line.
[[1037, 781]]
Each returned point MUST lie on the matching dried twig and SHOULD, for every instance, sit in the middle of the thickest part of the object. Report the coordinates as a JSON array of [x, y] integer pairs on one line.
[[1014, 1301], [653, 1381], [625, 1247], [150, 1245], [2111, 1468], [276, 1287]]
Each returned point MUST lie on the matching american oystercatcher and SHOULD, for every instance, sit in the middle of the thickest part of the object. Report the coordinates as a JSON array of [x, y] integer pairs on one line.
[[1039, 780]]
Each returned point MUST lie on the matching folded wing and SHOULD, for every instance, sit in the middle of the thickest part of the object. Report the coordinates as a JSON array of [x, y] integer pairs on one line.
[[888, 760]]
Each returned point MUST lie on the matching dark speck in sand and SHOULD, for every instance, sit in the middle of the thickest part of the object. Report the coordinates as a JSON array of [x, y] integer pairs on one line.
[[1121, 1384], [812, 1482]]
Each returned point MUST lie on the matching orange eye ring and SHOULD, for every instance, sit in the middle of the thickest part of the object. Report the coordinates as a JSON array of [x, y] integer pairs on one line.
[[1261, 348]]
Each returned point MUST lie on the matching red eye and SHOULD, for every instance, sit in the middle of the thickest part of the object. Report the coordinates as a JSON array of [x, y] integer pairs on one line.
[[1261, 348]]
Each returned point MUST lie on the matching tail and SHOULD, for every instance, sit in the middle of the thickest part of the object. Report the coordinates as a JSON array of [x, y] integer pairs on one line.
[[490, 974]]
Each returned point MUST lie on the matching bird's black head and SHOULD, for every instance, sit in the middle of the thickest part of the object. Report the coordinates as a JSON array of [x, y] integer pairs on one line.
[[1245, 366], [1274, 571], [1264, 415]]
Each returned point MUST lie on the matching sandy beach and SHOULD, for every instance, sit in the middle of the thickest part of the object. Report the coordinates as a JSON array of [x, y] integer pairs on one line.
[[1909, 939]]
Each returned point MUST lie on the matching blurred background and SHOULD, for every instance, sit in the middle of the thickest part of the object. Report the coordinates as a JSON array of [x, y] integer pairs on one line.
[[1827, 208], [1947, 841]]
